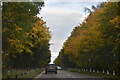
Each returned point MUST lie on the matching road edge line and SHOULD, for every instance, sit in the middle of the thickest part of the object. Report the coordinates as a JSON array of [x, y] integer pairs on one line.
[[39, 75]]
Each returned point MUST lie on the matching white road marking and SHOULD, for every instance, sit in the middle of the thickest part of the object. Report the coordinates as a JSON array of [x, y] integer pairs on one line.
[[39, 75]]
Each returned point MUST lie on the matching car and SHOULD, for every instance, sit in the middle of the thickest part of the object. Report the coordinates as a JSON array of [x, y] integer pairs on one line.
[[51, 68], [59, 68]]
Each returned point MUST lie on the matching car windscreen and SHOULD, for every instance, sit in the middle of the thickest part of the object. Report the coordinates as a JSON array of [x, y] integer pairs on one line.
[[52, 65]]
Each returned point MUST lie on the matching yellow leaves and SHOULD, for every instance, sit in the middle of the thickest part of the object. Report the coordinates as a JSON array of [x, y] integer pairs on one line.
[[5, 29], [35, 29], [29, 51], [115, 20], [18, 29], [17, 51], [16, 46], [35, 36], [30, 43], [27, 34], [13, 41], [39, 31], [38, 35], [15, 24], [21, 46]]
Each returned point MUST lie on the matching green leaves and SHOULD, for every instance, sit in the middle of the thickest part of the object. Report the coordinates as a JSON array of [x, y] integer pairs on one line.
[[24, 35]]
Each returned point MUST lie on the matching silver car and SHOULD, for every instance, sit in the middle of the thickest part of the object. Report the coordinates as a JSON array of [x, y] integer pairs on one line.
[[51, 68]]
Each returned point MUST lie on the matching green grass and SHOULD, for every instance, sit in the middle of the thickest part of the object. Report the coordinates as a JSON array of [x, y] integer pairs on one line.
[[31, 74], [96, 74]]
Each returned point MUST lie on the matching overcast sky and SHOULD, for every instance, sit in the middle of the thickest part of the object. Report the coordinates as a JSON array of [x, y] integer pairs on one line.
[[62, 17]]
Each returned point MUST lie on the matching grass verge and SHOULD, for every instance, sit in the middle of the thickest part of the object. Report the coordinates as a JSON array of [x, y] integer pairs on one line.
[[31, 74], [96, 74]]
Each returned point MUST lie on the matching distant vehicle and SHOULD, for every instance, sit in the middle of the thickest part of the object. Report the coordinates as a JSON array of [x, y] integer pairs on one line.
[[51, 68], [59, 68]]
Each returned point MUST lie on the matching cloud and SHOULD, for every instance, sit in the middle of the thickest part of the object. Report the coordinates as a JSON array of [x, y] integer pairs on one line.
[[62, 17], [61, 23], [54, 55], [78, 0], [71, 5]]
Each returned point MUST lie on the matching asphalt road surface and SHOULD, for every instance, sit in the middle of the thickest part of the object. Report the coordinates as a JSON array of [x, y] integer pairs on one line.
[[66, 75]]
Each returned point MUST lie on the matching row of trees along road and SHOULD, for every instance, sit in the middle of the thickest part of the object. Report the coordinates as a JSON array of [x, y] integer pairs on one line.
[[94, 44], [25, 37]]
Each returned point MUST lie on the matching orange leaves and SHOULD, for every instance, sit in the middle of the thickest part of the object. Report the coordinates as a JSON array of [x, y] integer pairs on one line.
[[95, 41], [116, 21]]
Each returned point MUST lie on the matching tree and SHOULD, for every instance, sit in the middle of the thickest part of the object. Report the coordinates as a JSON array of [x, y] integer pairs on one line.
[[25, 36], [95, 43]]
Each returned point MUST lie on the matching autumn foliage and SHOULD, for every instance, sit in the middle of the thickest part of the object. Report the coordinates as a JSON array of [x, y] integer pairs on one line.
[[94, 44], [25, 37]]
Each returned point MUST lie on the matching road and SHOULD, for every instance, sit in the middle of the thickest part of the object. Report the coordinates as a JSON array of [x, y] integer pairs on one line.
[[64, 75]]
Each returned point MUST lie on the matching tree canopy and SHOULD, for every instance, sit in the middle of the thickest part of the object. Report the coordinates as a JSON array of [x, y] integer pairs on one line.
[[25, 37], [95, 43]]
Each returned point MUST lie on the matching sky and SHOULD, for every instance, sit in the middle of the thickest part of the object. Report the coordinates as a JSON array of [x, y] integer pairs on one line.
[[61, 17]]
